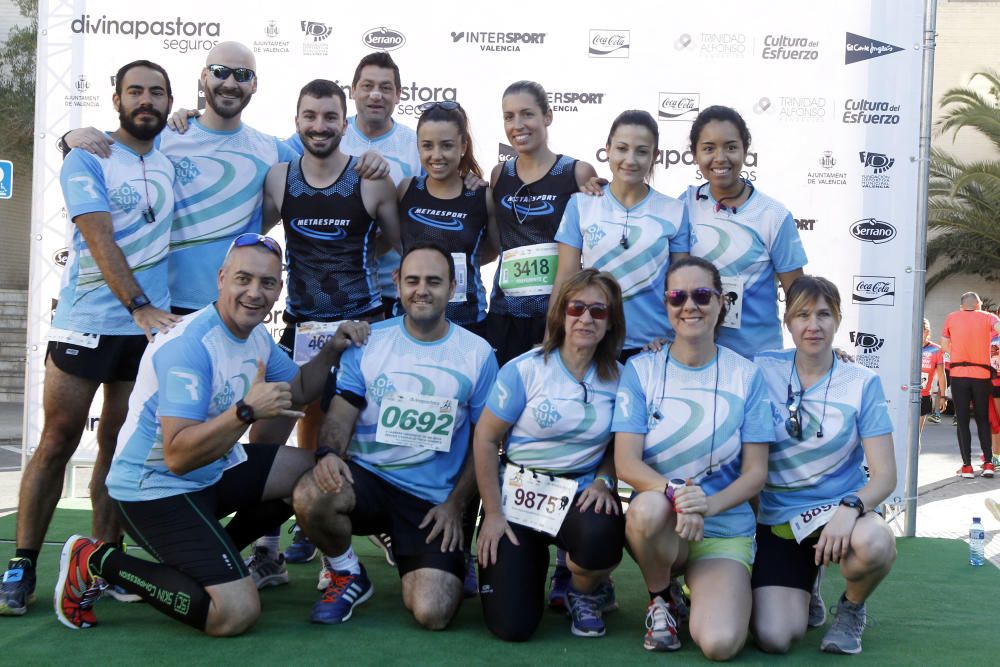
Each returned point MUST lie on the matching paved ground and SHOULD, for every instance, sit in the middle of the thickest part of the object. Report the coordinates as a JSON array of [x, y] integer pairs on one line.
[[945, 506]]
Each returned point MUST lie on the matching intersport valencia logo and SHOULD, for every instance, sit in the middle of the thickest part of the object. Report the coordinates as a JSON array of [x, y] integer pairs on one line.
[[499, 41], [859, 48], [383, 39]]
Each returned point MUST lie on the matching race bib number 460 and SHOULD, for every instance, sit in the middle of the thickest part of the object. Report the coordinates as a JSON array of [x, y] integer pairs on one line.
[[529, 270], [535, 500], [414, 420], [310, 337]]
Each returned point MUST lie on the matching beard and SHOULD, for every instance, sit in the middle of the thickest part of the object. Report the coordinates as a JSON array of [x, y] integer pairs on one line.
[[224, 111], [320, 152], [142, 132]]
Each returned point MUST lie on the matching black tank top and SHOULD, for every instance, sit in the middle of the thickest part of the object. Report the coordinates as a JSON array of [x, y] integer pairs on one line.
[[529, 214], [459, 226], [330, 245]]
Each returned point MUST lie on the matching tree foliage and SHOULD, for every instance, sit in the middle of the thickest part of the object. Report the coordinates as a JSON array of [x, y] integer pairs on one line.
[[17, 85], [964, 197]]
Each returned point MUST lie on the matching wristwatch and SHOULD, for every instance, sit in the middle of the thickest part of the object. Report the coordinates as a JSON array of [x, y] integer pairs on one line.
[[853, 502], [244, 412], [137, 302]]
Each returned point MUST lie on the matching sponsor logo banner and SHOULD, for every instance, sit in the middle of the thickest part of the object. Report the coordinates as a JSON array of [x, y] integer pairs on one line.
[[713, 45], [874, 231], [678, 106], [867, 345], [789, 47], [383, 39], [272, 43], [805, 224], [609, 43], [315, 35], [828, 176], [571, 100], [861, 111], [179, 34], [858, 48], [500, 42], [874, 290], [875, 165]]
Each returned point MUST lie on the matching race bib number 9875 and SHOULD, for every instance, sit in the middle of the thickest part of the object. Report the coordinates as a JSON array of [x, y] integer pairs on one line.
[[535, 500]]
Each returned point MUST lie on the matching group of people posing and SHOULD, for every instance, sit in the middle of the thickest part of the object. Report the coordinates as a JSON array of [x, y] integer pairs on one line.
[[632, 340]]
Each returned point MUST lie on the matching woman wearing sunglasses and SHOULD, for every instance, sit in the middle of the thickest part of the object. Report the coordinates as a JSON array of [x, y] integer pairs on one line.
[[632, 231], [439, 208], [816, 508], [556, 484], [692, 426], [749, 236], [530, 193]]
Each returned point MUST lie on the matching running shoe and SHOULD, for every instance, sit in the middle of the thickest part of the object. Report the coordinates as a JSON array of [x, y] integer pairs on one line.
[[301, 550], [967, 472], [679, 601], [266, 569], [384, 542], [77, 589], [17, 590], [844, 636], [118, 593], [995, 461], [988, 470], [661, 628], [817, 608], [992, 505], [324, 578], [345, 592], [604, 593], [585, 614], [470, 584], [934, 419], [559, 584]]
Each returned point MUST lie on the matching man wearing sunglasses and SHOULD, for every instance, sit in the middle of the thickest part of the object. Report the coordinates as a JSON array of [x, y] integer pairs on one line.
[[113, 299], [220, 165], [181, 468]]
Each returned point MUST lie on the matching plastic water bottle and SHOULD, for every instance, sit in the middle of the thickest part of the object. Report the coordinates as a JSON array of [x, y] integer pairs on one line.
[[977, 542]]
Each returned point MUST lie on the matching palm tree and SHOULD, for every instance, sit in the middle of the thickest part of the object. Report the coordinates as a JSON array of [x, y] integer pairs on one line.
[[964, 197]]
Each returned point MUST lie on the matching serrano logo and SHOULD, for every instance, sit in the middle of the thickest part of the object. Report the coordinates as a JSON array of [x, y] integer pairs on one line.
[[447, 220], [678, 106], [61, 256], [874, 290], [860, 48], [383, 39], [874, 231], [609, 43]]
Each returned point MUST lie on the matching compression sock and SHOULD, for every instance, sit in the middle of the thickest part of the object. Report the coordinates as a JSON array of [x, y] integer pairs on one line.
[[262, 519], [345, 562], [30, 554], [164, 588]]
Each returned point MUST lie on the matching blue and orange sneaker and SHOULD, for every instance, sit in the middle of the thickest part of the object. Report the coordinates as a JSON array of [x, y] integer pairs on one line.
[[77, 588], [342, 595]]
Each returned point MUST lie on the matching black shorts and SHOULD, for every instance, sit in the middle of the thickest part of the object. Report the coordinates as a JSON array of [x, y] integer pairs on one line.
[[925, 406], [996, 391], [115, 359], [184, 532], [512, 336], [381, 507], [180, 310], [783, 562]]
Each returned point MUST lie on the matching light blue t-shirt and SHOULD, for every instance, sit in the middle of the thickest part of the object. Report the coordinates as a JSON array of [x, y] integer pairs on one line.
[[219, 191], [807, 473], [655, 227], [460, 366], [695, 421], [124, 185], [561, 426], [197, 370], [748, 247]]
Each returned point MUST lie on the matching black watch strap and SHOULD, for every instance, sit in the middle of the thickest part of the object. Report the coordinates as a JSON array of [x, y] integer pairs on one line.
[[853, 502], [137, 302], [244, 412]]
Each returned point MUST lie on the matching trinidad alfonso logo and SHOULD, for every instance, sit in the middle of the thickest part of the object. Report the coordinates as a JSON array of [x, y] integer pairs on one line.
[[447, 220]]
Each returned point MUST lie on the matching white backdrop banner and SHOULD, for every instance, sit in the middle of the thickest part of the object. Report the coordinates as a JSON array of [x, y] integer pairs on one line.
[[830, 90]]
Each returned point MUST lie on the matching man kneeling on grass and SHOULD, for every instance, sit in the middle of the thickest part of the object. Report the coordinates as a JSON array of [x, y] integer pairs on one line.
[[180, 469]]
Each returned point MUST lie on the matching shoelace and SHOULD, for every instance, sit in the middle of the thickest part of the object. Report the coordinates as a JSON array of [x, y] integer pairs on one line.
[[338, 584], [658, 618], [849, 620], [584, 607]]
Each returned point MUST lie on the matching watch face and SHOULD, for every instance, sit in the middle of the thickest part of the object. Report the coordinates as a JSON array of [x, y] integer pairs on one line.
[[244, 413]]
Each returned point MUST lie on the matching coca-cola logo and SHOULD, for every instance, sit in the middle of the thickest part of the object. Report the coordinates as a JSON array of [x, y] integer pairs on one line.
[[383, 39], [874, 231], [609, 43], [678, 106], [874, 290]]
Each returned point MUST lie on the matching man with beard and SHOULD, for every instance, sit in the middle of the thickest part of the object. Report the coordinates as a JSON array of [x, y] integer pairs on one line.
[[331, 217], [113, 299]]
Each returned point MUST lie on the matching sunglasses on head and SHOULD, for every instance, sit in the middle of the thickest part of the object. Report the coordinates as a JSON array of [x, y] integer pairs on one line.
[[241, 74], [793, 425], [598, 311], [702, 296], [250, 239], [447, 105]]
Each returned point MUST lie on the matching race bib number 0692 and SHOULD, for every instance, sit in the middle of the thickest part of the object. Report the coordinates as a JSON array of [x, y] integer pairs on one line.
[[414, 420]]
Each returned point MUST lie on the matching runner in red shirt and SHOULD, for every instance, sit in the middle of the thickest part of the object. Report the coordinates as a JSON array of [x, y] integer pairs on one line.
[[966, 335]]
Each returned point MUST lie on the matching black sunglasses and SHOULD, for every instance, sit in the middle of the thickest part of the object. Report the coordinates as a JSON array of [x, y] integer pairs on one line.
[[250, 239], [702, 296], [447, 105], [793, 425], [598, 311], [241, 74]]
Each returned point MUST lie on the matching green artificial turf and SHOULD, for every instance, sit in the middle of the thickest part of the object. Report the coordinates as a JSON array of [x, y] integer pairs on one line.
[[933, 609]]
